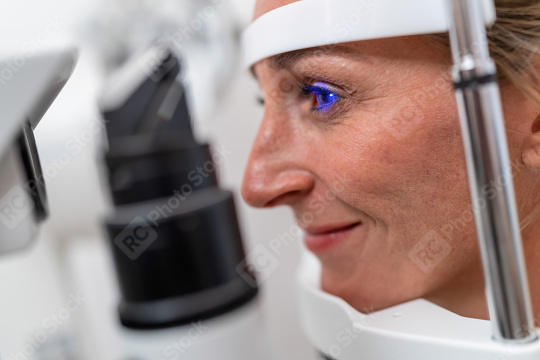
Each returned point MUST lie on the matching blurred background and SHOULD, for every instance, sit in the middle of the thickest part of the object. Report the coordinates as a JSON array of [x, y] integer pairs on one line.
[[58, 298]]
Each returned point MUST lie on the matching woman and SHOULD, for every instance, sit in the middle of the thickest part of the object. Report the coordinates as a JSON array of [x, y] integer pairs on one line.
[[362, 141]]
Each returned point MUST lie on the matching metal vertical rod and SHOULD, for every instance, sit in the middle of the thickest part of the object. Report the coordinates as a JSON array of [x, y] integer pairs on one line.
[[488, 164]]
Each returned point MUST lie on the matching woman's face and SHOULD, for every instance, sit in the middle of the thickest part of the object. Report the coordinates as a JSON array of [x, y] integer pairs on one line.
[[362, 141]]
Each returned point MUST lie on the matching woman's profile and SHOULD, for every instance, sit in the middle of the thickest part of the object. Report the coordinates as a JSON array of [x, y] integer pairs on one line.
[[362, 141]]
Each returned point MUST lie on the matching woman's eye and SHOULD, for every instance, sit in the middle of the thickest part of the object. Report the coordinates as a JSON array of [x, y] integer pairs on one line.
[[326, 98], [323, 96]]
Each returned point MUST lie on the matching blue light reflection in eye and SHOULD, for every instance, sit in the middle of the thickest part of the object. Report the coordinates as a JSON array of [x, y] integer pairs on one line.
[[325, 98]]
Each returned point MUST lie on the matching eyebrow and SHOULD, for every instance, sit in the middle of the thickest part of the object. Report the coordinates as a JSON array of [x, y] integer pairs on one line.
[[288, 59]]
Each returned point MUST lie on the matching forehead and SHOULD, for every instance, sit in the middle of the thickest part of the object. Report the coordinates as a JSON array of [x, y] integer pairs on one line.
[[264, 6], [376, 57]]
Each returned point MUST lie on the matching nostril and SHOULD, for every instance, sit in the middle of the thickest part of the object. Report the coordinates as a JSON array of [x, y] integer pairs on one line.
[[283, 199], [536, 125]]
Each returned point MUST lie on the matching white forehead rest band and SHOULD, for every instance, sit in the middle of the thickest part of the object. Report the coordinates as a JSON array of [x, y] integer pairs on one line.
[[310, 23]]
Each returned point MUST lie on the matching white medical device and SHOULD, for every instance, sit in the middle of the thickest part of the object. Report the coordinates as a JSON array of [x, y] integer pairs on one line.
[[28, 86], [419, 329]]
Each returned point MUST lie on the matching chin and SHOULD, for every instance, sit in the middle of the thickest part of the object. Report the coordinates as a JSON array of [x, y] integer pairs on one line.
[[370, 291]]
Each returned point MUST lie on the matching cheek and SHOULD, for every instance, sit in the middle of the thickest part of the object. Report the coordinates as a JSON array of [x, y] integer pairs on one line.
[[394, 161]]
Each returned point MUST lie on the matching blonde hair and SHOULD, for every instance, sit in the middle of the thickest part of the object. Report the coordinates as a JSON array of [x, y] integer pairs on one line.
[[514, 43]]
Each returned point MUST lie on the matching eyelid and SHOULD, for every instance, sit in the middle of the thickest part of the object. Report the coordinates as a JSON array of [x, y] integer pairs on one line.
[[322, 86], [316, 88], [339, 88]]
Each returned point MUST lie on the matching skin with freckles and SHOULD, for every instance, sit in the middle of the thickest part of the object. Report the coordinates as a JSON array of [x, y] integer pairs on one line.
[[366, 135]]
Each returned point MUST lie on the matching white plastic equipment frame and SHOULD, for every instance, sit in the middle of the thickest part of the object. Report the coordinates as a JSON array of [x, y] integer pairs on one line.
[[414, 330], [312, 23]]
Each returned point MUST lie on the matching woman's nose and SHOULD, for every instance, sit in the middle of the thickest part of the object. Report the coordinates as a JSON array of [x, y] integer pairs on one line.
[[278, 171]]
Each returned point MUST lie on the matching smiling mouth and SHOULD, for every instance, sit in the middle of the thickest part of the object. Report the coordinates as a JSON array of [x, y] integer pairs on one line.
[[319, 239]]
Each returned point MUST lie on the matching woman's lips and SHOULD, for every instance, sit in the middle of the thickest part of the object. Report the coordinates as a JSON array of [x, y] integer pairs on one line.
[[319, 239]]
